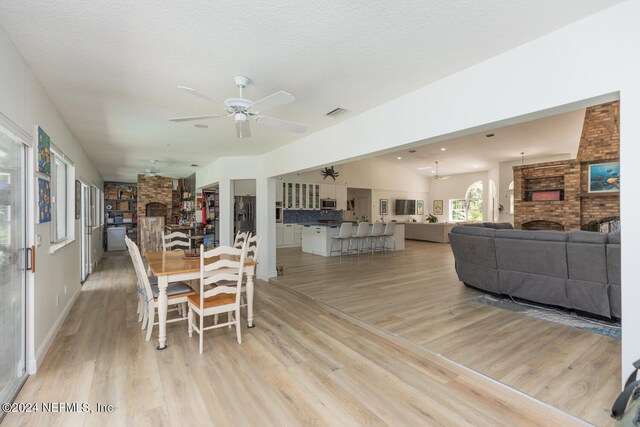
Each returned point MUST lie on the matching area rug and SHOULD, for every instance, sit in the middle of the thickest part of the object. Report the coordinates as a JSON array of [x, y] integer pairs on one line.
[[567, 318]]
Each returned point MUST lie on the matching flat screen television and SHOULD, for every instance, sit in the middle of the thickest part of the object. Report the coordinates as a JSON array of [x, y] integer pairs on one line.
[[405, 207]]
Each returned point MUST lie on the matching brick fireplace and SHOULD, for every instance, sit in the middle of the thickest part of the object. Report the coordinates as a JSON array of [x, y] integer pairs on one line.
[[555, 195], [155, 197]]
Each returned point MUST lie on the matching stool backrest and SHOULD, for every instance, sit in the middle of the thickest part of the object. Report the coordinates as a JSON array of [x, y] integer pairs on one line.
[[363, 229], [390, 229], [377, 229], [346, 230]]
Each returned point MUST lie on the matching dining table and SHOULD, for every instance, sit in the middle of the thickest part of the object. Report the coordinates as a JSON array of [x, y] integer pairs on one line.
[[177, 266]]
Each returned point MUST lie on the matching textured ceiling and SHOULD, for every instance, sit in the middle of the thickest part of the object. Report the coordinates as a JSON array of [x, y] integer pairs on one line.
[[111, 68], [549, 136]]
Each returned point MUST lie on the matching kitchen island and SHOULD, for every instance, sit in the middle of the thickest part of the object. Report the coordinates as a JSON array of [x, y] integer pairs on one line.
[[317, 238]]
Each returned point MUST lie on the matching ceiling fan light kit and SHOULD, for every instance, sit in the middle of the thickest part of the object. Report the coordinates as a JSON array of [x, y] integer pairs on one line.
[[243, 110]]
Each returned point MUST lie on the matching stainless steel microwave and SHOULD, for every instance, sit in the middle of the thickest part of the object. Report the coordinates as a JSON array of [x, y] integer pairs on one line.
[[328, 204]]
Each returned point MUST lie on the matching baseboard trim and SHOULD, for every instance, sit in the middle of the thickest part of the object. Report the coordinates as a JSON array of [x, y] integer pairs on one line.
[[53, 333]]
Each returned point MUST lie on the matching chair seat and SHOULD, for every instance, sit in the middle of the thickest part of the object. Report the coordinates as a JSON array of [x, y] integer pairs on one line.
[[213, 301], [176, 289]]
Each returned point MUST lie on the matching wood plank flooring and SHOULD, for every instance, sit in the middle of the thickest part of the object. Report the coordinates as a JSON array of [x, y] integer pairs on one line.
[[415, 294], [302, 365]]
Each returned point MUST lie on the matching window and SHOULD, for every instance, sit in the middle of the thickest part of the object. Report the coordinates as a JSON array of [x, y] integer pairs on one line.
[[97, 207], [511, 198], [62, 200], [475, 208], [457, 210], [58, 199]]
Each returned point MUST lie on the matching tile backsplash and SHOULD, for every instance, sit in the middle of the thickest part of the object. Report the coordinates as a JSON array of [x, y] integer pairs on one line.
[[303, 216]]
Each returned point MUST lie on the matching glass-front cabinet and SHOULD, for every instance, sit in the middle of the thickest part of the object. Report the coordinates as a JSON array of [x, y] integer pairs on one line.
[[298, 195]]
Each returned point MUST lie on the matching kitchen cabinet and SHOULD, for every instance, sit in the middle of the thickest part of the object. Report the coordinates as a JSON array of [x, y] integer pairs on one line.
[[289, 235], [279, 235], [280, 191], [297, 236], [300, 195]]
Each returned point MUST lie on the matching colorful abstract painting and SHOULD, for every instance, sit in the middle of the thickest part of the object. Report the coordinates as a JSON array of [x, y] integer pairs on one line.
[[604, 177], [44, 201], [44, 152]]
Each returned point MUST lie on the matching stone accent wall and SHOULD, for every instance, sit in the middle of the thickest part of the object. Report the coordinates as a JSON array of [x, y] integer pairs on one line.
[[154, 189], [599, 143]]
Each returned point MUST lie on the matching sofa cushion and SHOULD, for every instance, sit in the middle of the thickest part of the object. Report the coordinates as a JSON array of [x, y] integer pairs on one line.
[[531, 256], [556, 236], [498, 225], [587, 237], [614, 238], [474, 231]]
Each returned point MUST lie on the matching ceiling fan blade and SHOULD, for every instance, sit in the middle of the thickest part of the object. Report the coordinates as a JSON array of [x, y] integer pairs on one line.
[[281, 124], [274, 100], [242, 129], [198, 94], [191, 118]]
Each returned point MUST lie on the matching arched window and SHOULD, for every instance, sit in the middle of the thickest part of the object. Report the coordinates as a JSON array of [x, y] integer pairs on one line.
[[475, 208]]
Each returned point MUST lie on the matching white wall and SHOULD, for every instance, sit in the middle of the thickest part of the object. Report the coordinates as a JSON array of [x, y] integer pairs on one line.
[[455, 187], [244, 187], [27, 105], [591, 61]]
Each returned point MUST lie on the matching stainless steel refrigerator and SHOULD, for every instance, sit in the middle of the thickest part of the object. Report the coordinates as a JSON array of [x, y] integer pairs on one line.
[[244, 214]]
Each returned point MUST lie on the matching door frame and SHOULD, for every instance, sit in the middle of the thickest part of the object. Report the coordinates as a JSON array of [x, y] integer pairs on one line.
[[85, 231]]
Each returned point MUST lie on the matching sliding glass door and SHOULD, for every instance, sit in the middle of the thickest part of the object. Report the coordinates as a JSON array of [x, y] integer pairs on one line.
[[12, 264]]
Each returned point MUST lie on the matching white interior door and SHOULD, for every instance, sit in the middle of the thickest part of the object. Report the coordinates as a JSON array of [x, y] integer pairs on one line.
[[13, 263], [85, 250]]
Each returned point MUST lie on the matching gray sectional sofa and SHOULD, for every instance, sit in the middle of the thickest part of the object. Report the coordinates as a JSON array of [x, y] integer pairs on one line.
[[578, 270]]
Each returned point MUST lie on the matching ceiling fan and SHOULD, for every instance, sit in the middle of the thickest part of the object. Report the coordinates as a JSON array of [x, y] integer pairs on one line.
[[242, 110], [437, 175]]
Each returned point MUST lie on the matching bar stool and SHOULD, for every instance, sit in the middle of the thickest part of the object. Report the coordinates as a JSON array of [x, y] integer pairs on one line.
[[362, 234], [376, 234], [389, 231], [346, 230]]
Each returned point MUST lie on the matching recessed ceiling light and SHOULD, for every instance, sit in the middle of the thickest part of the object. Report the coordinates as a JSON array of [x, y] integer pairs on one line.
[[443, 149], [201, 126], [433, 171], [399, 158], [426, 167], [475, 166]]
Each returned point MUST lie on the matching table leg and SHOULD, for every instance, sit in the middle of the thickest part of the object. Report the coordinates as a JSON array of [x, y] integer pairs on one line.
[[162, 312], [250, 275]]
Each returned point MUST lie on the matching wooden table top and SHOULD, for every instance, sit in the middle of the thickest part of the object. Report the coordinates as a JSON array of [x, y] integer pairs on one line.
[[175, 262]]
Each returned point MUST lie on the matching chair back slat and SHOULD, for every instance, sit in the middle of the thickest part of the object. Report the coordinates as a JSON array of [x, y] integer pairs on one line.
[[171, 240], [228, 269], [240, 239]]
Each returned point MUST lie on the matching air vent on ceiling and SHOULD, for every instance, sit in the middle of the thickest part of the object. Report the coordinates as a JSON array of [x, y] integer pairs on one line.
[[490, 135], [336, 112], [412, 151]]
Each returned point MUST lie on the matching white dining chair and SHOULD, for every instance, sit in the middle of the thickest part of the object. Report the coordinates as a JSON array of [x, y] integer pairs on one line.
[[361, 236], [226, 274], [388, 235], [375, 236], [177, 293], [176, 240], [345, 234]]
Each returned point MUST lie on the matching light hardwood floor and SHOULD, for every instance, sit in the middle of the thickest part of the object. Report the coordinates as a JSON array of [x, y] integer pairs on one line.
[[415, 294], [302, 365]]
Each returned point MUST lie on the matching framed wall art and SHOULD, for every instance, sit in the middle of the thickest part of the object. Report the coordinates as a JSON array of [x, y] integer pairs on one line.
[[604, 177], [438, 207], [384, 206], [420, 207], [44, 201], [44, 152]]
